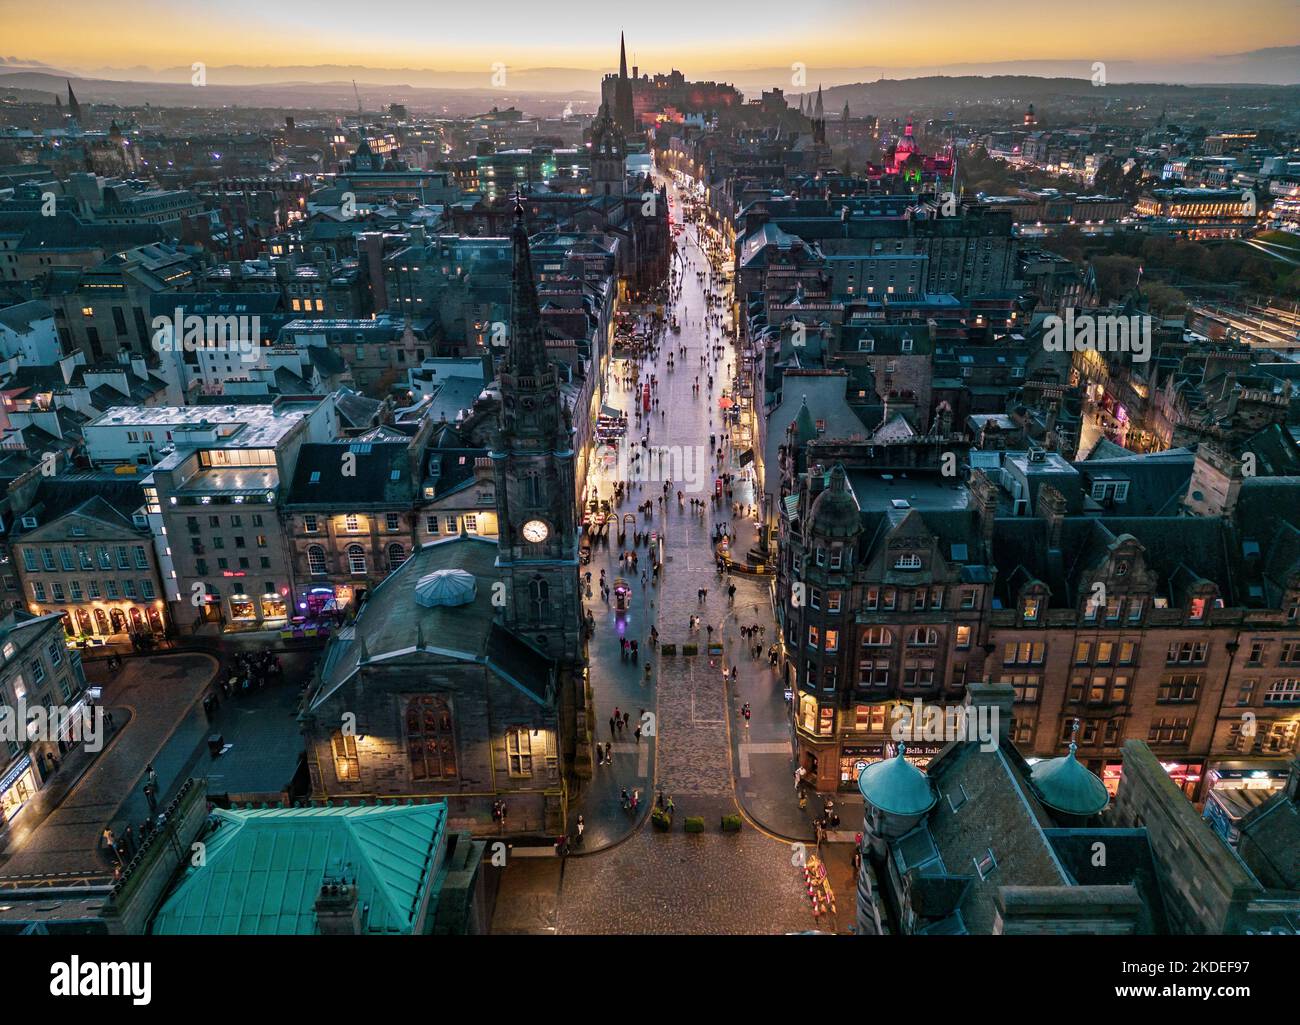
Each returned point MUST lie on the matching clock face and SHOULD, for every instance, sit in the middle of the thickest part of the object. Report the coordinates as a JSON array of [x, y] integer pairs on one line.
[[535, 531]]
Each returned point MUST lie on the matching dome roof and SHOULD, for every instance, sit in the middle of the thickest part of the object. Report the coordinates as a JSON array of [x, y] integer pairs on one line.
[[1065, 785], [896, 786], [446, 587], [835, 511]]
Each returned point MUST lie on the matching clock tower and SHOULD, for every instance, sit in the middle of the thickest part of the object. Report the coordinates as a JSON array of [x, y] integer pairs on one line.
[[533, 459]]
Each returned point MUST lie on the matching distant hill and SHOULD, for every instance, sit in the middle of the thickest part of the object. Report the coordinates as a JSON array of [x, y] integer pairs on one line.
[[942, 91], [298, 95]]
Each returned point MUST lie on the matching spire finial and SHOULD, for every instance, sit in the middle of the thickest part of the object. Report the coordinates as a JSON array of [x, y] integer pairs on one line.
[[1074, 732]]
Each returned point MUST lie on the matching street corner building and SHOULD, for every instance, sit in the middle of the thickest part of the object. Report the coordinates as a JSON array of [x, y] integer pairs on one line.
[[463, 677]]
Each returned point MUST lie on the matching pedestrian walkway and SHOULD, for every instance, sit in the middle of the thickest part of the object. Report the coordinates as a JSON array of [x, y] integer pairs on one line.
[[158, 691]]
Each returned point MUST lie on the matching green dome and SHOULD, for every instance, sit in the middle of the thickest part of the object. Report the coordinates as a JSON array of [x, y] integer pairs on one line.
[[896, 786], [835, 511], [1065, 785]]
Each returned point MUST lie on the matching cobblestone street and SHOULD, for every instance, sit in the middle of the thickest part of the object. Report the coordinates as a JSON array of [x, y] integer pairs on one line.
[[705, 884], [656, 882]]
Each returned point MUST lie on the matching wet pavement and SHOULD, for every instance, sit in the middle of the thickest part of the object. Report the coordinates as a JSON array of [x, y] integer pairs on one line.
[[703, 754]]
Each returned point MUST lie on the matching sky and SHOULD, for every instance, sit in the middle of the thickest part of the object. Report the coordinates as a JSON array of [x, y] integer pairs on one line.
[[698, 36]]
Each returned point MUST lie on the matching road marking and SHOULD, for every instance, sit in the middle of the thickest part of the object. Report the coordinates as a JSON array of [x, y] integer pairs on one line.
[[747, 749], [642, 752]]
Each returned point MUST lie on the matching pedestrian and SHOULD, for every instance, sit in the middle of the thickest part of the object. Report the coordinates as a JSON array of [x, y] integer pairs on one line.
[[637, 733], [627, 718], [106, 839], [609, 753], [581, 827], [611, 726]]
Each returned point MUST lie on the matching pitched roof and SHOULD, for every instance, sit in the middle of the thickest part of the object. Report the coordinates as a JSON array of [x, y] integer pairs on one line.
[[381, 475], [264, 869], [393, 625]]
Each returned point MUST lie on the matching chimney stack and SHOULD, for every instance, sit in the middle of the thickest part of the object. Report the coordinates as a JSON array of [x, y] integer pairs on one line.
[[338, 912]]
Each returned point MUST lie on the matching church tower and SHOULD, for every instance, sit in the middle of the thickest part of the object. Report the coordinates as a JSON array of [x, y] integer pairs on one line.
[[537, 549], [608, 155]]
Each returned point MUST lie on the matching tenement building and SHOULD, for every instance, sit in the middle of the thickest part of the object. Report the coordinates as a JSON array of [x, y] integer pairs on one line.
[[1091, 589]]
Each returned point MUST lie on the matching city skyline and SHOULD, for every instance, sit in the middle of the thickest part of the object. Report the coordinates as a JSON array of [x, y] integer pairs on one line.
[[1164, 41]]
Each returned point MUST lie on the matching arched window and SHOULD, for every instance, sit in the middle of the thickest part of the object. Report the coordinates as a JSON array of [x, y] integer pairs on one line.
[[316, 560], [396, 555], [430, 742], [533, 490], [923, 637], [356, 560], [539, 593], [877, 637], [347, 765]]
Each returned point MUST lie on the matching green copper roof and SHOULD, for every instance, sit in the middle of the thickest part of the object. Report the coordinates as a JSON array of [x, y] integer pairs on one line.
[[1065, 785], [896, 786], [264, 869]]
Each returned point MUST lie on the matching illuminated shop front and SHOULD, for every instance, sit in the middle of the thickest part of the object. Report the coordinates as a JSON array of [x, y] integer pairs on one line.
[[1187, 775], [243, 610], [1234, 789], [105, 619], [17, 787], [325, 600], [275, 610], [855, 757]]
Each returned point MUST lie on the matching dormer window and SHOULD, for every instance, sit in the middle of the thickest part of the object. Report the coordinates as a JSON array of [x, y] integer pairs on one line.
[[910, 560], [1029, 609], [1196, 610]]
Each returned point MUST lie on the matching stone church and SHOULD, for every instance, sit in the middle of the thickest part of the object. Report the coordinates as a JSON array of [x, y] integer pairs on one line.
[[463, 676]]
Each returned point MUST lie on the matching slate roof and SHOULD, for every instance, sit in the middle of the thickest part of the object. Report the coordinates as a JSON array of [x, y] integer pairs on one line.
[[99, 520], [21, 317], [1000, 813], [264, 869], [318, 478], [1270, 841], [392, 624]]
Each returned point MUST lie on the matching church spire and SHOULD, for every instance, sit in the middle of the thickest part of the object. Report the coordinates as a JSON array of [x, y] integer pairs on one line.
[[74, 108], [624, 112], [527, 357], [819, 111]]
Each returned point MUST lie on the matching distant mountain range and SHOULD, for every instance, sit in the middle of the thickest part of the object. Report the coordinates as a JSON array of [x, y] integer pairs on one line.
[[550, 90], [1278, 65]]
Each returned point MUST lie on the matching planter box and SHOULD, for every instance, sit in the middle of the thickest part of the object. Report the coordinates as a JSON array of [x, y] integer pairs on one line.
[[731, 823], [690, 649], [695, 824]]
